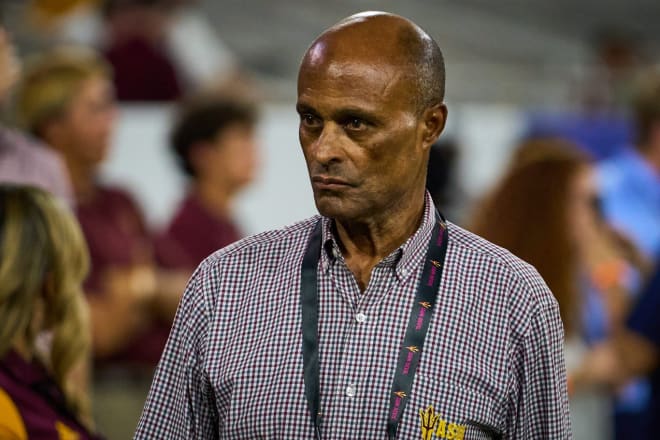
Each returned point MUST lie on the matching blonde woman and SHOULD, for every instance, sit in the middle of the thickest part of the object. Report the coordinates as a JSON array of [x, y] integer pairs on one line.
[[44, 329]]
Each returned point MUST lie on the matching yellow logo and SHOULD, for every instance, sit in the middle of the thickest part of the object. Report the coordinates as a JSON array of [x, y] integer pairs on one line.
[[432, 423], [412, 348], [400, 394], [436, 264], [425, 304]]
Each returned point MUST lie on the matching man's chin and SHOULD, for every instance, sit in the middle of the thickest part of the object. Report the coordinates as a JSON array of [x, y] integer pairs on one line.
[[97, 157], [338, 208], [330, 205]]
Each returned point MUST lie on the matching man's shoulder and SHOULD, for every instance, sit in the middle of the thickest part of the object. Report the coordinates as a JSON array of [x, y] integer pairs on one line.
[[227, 273], [517, 279], [471, 245], [26, 155], [271, 244]]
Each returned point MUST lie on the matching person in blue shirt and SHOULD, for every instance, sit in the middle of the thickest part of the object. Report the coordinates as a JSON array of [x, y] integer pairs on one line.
[[629, 187], [630, 181], [633, 352]]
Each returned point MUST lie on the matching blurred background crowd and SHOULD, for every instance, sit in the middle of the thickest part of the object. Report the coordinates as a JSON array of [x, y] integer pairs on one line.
[[152, 132]]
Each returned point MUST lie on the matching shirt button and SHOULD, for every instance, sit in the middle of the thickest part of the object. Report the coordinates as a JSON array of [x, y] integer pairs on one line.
[[404, 272], [350, 390], [360, 317]]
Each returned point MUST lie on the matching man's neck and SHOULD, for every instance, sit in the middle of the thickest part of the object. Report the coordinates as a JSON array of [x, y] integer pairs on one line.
[[215, 198], [82, 179], [364, 244]]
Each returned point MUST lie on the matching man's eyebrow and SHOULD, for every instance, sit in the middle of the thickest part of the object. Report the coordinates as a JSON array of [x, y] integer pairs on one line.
[[341, 113], [355, 112], [304, 108]]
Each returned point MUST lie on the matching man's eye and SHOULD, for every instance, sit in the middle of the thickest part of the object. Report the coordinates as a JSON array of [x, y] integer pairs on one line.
[[356, 124], [309, 120]]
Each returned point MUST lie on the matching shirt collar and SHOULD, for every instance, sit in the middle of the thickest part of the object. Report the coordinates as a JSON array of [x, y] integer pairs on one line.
[[403, 259]]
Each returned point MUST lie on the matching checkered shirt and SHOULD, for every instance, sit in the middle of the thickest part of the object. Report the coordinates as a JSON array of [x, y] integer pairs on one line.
[[492, 364]]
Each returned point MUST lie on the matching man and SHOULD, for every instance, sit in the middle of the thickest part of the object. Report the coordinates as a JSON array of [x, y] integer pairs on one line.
[[214, 142], [377, 319]]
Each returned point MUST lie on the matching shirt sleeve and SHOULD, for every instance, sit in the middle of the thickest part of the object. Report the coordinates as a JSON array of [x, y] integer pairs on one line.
[[539, 399], [644, 318], [181, 403]]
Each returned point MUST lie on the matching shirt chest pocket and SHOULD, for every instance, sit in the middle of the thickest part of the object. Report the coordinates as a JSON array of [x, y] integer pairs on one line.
[[443, 410]]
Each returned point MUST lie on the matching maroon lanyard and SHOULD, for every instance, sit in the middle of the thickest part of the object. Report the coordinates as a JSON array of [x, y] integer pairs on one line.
[[413, 341]]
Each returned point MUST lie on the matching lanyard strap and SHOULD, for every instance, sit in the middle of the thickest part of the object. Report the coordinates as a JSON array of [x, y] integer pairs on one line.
[[309, 298], [413, 341]]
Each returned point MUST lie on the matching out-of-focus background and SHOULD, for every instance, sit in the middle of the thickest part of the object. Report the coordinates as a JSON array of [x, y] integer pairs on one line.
[[174, 133], [509, 64]]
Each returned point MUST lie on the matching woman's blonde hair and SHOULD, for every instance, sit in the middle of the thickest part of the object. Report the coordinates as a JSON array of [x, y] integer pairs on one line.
[[43, 262], [51, 80]]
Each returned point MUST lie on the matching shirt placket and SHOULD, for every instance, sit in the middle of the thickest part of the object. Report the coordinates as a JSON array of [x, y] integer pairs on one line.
[[353, 380]]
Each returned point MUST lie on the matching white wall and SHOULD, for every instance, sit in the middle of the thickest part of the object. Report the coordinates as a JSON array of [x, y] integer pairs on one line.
[[141, 161]]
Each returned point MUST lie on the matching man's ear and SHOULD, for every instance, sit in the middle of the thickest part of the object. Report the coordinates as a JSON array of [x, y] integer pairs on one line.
[[434, 119]]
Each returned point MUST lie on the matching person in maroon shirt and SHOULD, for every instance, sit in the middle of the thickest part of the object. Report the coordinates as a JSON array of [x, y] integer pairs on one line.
[[44, 330], [136, 48], [67, 99], [214, 142]]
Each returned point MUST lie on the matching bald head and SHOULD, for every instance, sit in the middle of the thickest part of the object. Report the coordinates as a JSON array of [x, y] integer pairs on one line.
[[384, 39]]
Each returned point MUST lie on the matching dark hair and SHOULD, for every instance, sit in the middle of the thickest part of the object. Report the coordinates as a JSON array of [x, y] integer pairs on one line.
[[204, 120]]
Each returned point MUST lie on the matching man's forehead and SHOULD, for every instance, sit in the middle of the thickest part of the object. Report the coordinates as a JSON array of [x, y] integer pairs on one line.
[[316, 54], [341, 77], [377, 53], [358, 43], [328, 59]]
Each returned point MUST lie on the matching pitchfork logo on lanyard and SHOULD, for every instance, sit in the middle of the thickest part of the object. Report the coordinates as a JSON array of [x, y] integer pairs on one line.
[[413, 341]]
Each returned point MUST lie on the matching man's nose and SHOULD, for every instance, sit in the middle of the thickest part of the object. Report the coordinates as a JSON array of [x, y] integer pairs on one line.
[[327, 147]]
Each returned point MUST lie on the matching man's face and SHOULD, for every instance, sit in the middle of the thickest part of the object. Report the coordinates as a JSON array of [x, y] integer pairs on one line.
[[232, 157], [361, 136], [87, 126]]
